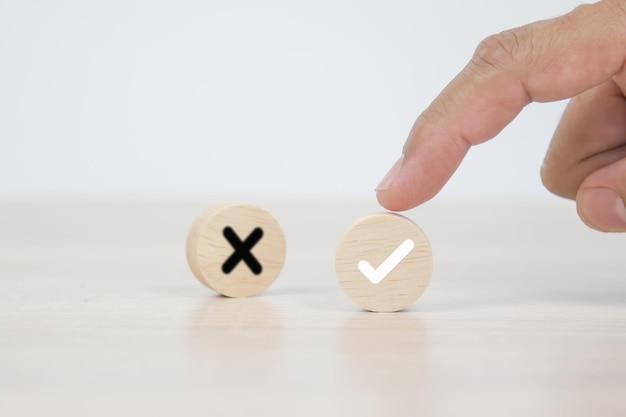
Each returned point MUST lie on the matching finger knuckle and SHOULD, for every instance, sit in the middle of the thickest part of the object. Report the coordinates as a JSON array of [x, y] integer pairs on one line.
[[549, 179], [502, 50], [555, 179]]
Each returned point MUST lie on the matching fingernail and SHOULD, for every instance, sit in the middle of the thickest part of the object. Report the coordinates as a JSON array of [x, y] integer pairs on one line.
[[388, 179], [602, 209]]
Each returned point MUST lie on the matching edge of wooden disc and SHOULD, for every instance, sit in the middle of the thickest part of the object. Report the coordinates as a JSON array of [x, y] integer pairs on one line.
[[425, 244], [191, 246]]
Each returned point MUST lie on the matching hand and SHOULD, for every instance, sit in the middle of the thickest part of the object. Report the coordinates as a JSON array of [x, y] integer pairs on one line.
[[581, 55]]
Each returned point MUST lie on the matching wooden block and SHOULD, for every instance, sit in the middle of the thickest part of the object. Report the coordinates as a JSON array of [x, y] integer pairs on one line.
[[237, 250], [384, 262]]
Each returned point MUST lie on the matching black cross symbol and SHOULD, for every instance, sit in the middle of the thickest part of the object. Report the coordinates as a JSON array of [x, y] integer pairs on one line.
[[242, 250]]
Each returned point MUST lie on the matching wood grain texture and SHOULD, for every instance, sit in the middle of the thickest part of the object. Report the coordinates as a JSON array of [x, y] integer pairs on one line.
[[207, 249], [374, 239], [193, 240], [525, 315]]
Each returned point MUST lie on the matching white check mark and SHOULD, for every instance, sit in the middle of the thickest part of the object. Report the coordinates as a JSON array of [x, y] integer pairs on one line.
[[377, 275]]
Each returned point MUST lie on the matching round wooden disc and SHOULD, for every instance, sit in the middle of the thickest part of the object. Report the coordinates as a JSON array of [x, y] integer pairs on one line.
[[384, 262], [237, 250]]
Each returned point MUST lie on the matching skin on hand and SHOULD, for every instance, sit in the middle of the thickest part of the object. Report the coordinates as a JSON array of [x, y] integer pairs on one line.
[[580, 55]]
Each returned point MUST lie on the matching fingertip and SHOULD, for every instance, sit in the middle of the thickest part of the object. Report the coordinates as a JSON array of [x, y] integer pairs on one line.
[[391, 192], [389, 201], [389, 178], [408, 184], [430, 157], [602, 209]]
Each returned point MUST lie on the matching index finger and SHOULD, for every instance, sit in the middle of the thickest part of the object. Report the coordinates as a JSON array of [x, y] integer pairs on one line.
[[544, 61]]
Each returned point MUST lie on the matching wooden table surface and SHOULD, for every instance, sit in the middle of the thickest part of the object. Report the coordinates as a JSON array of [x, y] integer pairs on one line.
[[100, 316]]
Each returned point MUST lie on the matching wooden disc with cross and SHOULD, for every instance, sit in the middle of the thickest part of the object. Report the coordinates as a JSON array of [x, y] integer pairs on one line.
[[237, 250]]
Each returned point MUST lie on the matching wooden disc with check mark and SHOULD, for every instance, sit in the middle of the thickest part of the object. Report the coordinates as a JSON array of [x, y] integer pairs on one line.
[[237, 250], [384, 262]]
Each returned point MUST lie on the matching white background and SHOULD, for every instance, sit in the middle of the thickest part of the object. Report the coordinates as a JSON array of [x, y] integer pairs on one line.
[[245, 99]]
